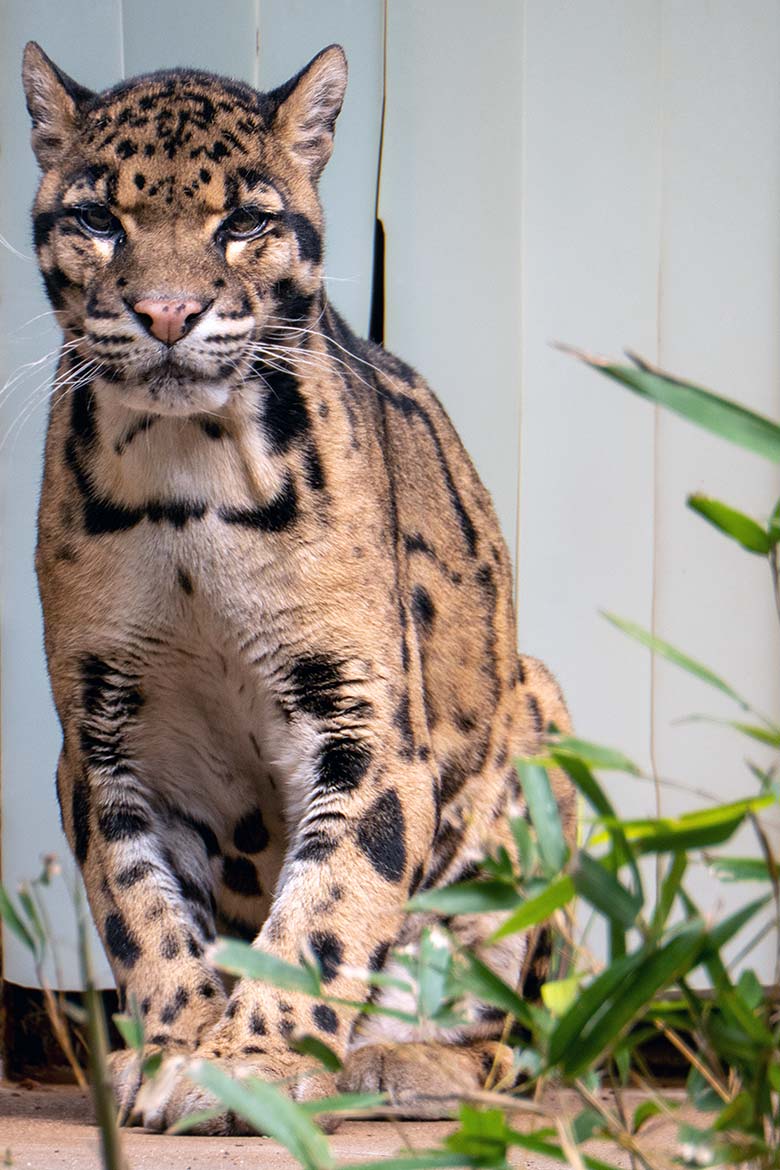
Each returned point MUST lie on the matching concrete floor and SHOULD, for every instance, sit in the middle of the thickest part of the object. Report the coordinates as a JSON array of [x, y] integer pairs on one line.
[[50, 1128]]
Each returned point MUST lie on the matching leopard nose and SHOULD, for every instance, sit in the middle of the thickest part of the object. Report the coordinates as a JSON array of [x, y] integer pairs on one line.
[[169, 320]]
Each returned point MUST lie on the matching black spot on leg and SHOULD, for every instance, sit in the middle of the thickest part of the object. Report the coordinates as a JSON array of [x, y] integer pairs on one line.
[[121, 823], [140, 180], [325, 1018], [204, 831], [238, 927], [185, 581], [328, 951], [316, 847], [257, 1023], [315, 682], [173, 1010], [169, 947], [417, 877], [132, 874], [240, 876], [207, 990], [80, 813], [403, 721], [121, 941], [376, 959], [423, 609], [380, 836], [342, 764], [250, 834]]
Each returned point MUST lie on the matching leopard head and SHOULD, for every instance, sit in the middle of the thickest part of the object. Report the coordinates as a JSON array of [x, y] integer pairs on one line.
[[178, 225]]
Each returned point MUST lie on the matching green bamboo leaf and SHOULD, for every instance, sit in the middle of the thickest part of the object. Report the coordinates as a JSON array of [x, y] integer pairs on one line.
[[559, 994], [658, 969], [587, 1124], [767, 735], [309, 1045], [471, 974], [695, 830], [724, 931], [14, 923], [30, 909], [239, 958], [474, 897], [269, 1110], [539, 908], [434, 963], [671, 654], [584, 780], [645, 1111], [590, 1000], [605, 893], [595, 755], [527, 854], [543, 811], [481, 1136], [740, 869], [670, 887], [130, 1028], [718, 415], [736, 525]]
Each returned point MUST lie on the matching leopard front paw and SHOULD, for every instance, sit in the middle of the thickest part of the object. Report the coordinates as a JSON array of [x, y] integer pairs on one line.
[[126, 1070], [177, 1095]]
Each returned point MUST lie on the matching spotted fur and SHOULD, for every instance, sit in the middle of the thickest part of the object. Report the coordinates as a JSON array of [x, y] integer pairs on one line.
[[278, 607]]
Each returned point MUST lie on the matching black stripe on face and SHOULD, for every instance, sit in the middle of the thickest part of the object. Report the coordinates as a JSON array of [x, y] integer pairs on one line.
[[43, 223], [56, 283], [285, 417], [309, 239]]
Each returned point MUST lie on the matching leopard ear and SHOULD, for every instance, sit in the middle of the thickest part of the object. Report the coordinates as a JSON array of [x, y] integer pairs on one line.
[[307, 107], [53, 100]]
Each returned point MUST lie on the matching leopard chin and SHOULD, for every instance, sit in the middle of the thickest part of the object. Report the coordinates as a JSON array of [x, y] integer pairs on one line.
[[174, 393]]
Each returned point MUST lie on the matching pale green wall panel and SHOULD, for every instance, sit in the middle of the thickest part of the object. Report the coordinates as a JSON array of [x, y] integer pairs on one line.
[[163, 34], [718, 325], [450, 199]]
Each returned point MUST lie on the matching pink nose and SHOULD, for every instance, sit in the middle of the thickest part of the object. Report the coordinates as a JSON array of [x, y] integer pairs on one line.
[[168, 320]]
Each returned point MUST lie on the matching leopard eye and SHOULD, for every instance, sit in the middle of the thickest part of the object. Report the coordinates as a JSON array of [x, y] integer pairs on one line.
[[96, 219], [243, 224]]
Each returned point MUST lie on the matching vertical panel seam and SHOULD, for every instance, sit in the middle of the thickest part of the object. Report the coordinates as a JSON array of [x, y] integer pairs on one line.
[[122, 68]]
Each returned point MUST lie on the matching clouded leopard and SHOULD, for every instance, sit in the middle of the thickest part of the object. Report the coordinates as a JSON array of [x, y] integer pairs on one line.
[[278, 607]]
